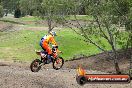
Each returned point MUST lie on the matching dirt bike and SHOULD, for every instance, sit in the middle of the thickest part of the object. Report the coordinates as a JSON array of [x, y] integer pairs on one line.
[[57, 61]]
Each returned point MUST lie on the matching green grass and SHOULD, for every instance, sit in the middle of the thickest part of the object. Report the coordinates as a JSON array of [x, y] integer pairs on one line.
[[31, 21], [70, 17], [72, 46], [79, 17], [18, 45], [31, 18], [11, 20], [26, 21], [21, 45]]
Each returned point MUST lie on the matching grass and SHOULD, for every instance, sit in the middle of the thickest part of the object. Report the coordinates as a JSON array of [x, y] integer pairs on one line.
[[21, 45], [31, 21], [79, 17], [31, 18], [70, 17], [72, 46], [27, 21], [10, 21]]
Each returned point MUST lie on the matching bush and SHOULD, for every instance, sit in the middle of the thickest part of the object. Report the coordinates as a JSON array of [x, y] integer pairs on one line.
[[17, 13], [1, 11]]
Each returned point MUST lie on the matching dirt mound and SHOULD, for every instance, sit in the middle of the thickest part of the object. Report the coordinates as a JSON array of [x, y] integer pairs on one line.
[[16, 75], [22, 77], [101, 62]]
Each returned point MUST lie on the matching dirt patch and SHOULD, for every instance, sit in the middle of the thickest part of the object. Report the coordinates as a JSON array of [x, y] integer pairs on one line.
[[5, 27], [22, 77], [16, 75], [3, 64], [100, 62], [37, 28]]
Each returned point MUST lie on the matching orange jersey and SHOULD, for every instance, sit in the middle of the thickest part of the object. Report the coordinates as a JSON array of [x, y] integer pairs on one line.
[[45, 41], [49, 39]]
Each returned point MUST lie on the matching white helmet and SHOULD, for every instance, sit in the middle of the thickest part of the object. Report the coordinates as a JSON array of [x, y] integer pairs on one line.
[[53, 33]]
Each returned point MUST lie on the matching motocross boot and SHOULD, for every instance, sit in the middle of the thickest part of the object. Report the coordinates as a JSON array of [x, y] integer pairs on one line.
[[49, 59]]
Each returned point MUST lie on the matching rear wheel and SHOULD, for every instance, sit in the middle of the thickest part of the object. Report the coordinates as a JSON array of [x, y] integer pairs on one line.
[[35, 65], [58, 63]]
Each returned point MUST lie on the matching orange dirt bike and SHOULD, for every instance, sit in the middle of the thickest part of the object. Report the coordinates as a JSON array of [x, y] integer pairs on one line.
[[57, 61]]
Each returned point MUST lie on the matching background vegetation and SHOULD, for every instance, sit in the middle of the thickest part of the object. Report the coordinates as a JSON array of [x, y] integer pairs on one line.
[[104, 25]]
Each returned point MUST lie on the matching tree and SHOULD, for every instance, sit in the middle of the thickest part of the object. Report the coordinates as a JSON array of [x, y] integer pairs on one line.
[[17, 13], [10, 5], [108, 17], [1, 11], [50, 10], [107, 20], [53, 11], [27, 7]]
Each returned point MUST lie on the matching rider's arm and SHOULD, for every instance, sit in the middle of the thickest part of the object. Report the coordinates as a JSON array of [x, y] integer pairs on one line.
[[53, 41]]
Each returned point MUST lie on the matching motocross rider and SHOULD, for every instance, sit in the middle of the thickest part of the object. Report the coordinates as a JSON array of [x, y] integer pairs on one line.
[[44, 43]]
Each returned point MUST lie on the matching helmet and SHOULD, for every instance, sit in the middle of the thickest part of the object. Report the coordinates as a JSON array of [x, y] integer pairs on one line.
[[53, 33]]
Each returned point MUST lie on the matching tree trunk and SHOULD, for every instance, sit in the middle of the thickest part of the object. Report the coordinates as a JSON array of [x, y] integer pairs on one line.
[[49, 25], [117, 68], [116, 61], [130, 70], [82, 11], [111, 42]]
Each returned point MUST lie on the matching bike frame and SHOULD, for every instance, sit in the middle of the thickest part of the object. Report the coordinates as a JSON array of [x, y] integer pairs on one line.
[[55, 52]]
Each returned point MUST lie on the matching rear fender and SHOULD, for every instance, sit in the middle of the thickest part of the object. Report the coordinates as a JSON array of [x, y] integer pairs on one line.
[[38, 52]]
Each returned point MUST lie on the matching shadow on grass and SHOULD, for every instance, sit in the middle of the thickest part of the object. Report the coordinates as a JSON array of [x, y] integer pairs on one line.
[[11, 21]]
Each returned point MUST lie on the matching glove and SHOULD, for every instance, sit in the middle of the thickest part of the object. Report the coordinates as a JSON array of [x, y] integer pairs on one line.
[[54, 46]]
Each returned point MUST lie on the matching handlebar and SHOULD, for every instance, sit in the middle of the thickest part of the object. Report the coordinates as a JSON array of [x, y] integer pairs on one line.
[[54, 46]]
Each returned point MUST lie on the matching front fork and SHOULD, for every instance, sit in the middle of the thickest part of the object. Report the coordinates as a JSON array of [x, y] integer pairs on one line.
[[55, 55]]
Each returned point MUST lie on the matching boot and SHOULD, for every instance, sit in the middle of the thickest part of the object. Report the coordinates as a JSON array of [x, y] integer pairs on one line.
[[49, 59]]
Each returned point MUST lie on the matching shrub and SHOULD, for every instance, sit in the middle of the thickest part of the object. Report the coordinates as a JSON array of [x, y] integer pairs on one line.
[[17, 13], [1, 11]]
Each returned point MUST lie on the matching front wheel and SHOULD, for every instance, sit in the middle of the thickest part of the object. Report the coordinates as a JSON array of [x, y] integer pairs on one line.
[[58, 63], [35, 65]]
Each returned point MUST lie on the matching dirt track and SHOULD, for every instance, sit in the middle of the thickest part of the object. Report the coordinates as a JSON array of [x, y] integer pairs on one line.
[[20, 76]]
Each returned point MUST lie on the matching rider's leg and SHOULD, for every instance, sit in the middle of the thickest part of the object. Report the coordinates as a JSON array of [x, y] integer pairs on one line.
[[49, 52], [42, 45], [42, 55]]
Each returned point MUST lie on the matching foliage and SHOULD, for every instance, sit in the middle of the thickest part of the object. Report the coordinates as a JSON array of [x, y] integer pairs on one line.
[[54, 11], [1, 11], [109, 16], [10, 5], [27, 7], [51, 10], [110, 20], [17, 13]]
